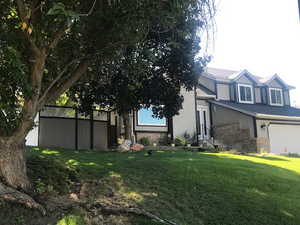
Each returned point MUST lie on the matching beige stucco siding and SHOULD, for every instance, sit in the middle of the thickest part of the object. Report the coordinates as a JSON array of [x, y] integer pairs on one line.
[[186, 120], [202, 103], [257, 95], [275, 84], [244, 80], [208, 83], [223, 91], [223, 116]]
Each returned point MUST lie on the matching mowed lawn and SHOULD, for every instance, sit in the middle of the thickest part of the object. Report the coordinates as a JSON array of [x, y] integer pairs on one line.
[[199, 188]]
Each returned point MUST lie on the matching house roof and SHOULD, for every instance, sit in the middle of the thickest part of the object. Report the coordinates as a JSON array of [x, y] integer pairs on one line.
[[224, 75], [263, 111]]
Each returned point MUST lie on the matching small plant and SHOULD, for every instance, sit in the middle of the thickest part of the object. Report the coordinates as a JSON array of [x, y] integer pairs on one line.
[[145, 141], [40, 186], [180, 141], [19, 220]]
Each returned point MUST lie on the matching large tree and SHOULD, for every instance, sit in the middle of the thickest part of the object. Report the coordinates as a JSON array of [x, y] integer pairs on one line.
[[148, 74], [47, 46]]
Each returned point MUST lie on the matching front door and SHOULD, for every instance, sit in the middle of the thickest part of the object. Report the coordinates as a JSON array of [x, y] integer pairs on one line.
[[204, 123]]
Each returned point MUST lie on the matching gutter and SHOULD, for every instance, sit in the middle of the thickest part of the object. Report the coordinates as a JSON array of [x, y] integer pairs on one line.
[[258, 115]]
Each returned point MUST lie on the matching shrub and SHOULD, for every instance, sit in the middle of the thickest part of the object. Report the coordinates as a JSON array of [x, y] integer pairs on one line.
[[180, 141], [145, 141]]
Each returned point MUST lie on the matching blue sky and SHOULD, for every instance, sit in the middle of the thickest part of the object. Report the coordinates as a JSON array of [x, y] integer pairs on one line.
[[145, 118], [262, 36]]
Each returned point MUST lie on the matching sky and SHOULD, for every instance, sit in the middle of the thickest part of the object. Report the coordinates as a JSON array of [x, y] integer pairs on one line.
[[262, 36]]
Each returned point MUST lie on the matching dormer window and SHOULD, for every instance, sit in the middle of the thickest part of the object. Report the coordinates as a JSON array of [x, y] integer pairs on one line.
[[245, 92], [275, 96]]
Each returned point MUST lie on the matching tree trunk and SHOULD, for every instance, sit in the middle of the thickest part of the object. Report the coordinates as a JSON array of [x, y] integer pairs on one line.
[[13, 165], [128, 127]]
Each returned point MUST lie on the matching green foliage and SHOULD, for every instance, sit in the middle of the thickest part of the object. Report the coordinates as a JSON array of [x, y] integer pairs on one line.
[[13, 86], [70, 32], [180, 141], [71, 220], [50, 175], [19, 220], [150, 73], [145, 141]]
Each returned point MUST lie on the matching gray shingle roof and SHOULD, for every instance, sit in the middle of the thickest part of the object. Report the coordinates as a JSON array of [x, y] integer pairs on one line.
[[262, 109], [224, 75]]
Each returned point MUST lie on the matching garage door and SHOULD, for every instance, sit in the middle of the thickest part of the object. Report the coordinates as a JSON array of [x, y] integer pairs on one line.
[[284, 138]]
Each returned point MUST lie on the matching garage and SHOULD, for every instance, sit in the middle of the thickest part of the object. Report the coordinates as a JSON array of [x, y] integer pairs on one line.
[[284, 138]]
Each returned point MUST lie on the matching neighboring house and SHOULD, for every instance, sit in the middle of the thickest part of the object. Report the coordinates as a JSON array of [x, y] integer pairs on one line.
[[238, 110]]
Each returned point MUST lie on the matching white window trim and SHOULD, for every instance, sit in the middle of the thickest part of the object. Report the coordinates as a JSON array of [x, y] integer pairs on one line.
[[270, 97], [149, 124], [252, 96]]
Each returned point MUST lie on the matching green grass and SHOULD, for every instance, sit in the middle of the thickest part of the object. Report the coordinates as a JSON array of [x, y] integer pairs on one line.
[[199, 188]]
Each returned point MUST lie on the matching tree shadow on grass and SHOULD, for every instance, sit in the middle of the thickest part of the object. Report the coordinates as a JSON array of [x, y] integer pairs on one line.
[[198, 188]]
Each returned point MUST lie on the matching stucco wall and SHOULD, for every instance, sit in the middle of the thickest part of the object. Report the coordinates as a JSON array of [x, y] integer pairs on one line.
[[221, 116], [33, 135], [244, 80], [223, 91], [206, 82], [186, 120], [202, 103], [275, 84]]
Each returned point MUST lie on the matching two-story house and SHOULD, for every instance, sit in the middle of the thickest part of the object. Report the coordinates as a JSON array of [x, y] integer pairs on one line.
[[236, 109]]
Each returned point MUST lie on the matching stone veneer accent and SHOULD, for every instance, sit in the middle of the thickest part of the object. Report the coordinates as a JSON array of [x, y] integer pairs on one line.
[[233, 137], [154, 137]]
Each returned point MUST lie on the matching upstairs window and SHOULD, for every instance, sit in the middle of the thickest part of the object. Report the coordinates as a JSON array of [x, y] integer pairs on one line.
[[145, 118], [275, 96], [245, 93]]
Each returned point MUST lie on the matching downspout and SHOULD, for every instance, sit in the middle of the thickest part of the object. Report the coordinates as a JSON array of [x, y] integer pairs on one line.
[[197, 131]]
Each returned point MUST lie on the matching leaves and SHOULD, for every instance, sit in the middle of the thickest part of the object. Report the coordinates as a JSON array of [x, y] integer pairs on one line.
[[58, 10]]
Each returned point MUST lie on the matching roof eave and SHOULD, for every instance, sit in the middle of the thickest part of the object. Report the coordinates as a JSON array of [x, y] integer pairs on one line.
[[234, 108], [277, 117]]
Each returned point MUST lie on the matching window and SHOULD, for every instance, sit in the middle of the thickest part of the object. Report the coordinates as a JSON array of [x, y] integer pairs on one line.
[[145, 117], [245, 93], [275, 96]]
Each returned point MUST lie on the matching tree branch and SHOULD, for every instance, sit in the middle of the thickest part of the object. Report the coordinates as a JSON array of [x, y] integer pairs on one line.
[[55, 92], [13, 195], [57, 38], [56, 80], [91, 9], [22, 10]]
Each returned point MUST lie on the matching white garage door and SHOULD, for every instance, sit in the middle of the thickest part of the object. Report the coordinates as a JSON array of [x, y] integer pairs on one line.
[[284, 138]]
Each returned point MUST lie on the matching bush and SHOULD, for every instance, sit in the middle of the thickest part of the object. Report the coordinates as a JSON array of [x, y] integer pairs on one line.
[[180, 141], [145, 141], [51, 176]]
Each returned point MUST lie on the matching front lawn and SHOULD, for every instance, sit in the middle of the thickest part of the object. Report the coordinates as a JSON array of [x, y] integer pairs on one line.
[[198, 188]]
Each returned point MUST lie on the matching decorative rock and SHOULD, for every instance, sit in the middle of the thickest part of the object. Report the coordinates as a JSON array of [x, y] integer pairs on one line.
[[125, 147], [137, 147]]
